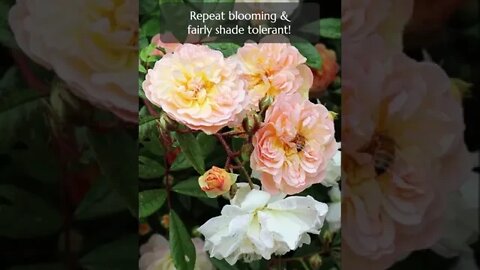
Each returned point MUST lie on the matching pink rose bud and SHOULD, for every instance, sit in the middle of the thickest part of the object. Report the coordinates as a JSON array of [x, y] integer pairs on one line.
[[217, 181]]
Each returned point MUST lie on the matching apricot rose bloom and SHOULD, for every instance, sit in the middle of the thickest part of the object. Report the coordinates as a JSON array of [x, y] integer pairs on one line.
[[294, 146], [197, 87], [271, 69], [216, 181], [91, 45]]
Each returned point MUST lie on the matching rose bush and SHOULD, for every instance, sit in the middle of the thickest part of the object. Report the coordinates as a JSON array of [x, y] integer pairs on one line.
[[233, 151]]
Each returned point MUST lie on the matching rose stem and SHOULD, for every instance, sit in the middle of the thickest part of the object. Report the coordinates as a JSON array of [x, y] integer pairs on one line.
[[233, 156]]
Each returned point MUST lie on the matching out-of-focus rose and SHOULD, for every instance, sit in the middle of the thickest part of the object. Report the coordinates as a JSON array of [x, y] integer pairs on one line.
[[91, 45], [155, 255], [216, 181], [404, 154], [257, 224], [293, 147], [324, 76], [198, 87], [271, 69], [387, 18]]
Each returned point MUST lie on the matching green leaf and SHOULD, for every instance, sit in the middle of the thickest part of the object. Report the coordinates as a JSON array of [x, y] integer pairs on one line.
[[226, 48], [150, 28], [181, 163], [147, 124], [149, 201], [100, 201], [149, 168], [119, 255], [28, 215], [207, 143], [331, 28], [192, 150], [181, 246], [222, 264], [314, 59], [327, 28], [116, 153], [190, 187], [17, 109], [209, 202], [6, 37]]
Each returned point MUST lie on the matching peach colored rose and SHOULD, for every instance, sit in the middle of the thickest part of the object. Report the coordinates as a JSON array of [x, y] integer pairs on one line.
[[403, 155], [324, 76], [271, 69], [91, 45], [216, 181], [387, 18], [293, 147], [198, 87]]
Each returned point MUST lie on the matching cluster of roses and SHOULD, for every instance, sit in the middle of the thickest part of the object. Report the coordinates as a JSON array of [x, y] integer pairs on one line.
[[293, 146]]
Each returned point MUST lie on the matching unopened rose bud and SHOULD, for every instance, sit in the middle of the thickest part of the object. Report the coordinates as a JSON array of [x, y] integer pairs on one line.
[[166, 123], [165, 221], [216, 181], [460, 88], [195, 232], [333, 115], [248, 124], [143, 229], [265, 103], [65, 105], [315, 261]]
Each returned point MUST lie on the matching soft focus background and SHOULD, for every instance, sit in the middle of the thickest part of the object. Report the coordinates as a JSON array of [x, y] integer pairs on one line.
[[68, 189]]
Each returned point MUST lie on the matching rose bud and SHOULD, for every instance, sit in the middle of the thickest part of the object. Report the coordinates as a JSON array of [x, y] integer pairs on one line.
[[216, 181]]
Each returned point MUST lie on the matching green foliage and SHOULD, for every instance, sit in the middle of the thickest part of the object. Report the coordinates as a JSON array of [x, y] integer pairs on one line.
[[100, 201], [120, 255], [181, 246], [228, 49], [314, 59], [149, 168], [18, 107], [37, 217], [6, 37], [121, 171], [192, 150], [149, 201], [326, 28]]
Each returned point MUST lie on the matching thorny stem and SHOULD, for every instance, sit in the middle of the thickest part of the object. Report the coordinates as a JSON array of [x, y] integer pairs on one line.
[[233, 133], [165, 140], [150, 108], [233, 156]]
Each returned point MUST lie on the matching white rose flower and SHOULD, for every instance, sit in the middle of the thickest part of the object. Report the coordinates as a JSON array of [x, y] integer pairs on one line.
[[155, 255], [334, 170], [461, 226], [257, 224], [334, 214]]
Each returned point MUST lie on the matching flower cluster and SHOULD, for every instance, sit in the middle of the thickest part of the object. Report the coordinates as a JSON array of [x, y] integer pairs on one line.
[[261, 93]]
